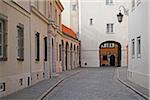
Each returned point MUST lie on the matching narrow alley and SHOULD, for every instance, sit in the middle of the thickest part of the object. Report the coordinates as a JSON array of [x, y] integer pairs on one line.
[[93, 84]]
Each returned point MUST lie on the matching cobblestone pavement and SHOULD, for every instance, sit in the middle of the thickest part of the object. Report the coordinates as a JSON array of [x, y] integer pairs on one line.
[[93, 84]]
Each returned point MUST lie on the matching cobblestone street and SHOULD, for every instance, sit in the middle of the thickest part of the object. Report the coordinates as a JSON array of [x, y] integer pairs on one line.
[[93, 84]]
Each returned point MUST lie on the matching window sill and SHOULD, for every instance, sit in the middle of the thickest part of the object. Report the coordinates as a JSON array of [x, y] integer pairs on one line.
[[37, 60], [20, 59], [139, 56], [110, 32], [3, 59], [112, 4]]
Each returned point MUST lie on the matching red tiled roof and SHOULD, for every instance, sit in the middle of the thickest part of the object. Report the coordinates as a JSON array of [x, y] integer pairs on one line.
[[68, 31]]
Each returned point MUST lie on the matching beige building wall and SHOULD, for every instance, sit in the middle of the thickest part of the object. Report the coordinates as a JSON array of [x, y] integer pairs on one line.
[[13, 71], [39, 24]]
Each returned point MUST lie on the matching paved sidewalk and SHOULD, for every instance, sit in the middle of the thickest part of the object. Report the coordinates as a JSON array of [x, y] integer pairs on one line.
[[40, 89], [122, 77]]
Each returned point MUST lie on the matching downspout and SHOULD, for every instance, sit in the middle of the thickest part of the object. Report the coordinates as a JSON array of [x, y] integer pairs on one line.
[[30, 43]]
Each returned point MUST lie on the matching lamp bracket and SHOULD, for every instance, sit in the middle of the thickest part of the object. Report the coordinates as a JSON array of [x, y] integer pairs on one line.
[[126, 11]]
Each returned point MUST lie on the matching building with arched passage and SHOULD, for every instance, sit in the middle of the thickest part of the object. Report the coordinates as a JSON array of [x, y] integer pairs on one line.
[[110, 53], [99, 25]]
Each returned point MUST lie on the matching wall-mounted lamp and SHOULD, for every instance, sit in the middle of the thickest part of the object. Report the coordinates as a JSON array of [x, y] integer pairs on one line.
[[120, 15]]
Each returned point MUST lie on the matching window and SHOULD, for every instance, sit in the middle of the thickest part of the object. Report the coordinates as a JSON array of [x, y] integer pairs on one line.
[[91, 21], [20, 42], [139, 47], [55, 16], [36, 3], [59, 19], [74, 7], [110, 28], [51, 9], [45, 50], [138, 2], [37, 48], [133, 4], [109, 2], [3, 39], [2, 87], [104, 57], [133, 48]]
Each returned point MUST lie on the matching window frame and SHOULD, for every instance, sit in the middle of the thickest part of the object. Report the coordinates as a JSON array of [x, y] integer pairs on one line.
[[20, 57], [91, 21], [110, 28], [37, 46], [139, 47], [109, 2], [2, 36], [133, 48]]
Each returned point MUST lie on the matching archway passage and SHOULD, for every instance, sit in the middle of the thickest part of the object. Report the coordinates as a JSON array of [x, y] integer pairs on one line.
[[110, 53]]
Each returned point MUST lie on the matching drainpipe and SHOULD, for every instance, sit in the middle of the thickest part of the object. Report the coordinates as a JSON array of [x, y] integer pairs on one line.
[[30, 44]]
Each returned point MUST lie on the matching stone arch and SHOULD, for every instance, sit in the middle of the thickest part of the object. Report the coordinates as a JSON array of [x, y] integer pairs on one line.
[[107, 51]]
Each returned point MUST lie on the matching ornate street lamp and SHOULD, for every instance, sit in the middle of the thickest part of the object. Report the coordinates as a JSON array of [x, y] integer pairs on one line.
[[120, 15]]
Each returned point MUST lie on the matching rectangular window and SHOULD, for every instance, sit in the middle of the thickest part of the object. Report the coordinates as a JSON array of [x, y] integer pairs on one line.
[[55, 16], [2, 87], [59, 19], [74, 7], [109, 2], [133, 4], [139, 47], [45, 47], [20, 42], [37, 48], [36, 3], [91, 21], [51, 10], [104, 57], [133, 48], [110, 28], [3, 38]]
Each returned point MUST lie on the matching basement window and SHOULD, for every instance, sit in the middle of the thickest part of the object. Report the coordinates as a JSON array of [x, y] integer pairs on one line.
[[2, 87]]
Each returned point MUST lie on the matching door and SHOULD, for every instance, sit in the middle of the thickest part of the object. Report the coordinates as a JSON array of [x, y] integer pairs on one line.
[[112, 60]]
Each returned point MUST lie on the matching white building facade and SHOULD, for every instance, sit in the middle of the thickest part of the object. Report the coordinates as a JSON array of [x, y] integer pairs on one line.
[[99, 24], [139, 35], [70, 15]]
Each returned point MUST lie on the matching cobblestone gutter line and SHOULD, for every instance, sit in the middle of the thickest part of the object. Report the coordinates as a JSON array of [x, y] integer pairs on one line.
[[55, 85], [130, 87]]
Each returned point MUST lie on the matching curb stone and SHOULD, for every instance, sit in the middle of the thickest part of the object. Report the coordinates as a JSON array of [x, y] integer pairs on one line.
[[55, 85], [131, 87]]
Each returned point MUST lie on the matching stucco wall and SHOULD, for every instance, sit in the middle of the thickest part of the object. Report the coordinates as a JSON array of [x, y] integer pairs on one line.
[[93, 35], [37, 67], [138, 26], [12, 70]]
